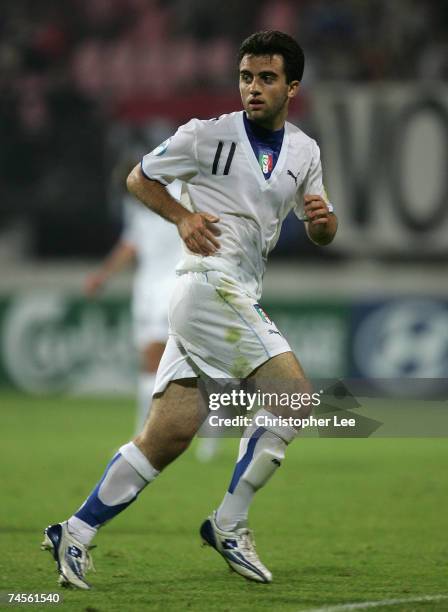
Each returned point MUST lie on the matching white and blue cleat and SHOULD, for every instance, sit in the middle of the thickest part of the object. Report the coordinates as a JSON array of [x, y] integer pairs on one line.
[[72, 558], [238, 549]]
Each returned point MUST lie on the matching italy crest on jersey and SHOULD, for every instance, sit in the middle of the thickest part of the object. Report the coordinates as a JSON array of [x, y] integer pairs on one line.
[[263, 316], [266, 161]]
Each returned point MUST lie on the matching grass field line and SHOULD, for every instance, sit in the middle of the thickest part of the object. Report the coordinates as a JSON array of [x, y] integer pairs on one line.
[[377, 604]]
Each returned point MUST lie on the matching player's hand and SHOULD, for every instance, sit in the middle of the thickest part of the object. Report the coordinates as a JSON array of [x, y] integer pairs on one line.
[[316, 210], [199, 231], [93, 284]]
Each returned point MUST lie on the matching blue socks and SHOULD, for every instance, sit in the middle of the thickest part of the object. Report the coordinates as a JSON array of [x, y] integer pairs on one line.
[[125, 477]]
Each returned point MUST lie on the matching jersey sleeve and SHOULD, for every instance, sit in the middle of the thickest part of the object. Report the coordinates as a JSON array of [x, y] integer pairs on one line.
[[312, 184], [175, 158]]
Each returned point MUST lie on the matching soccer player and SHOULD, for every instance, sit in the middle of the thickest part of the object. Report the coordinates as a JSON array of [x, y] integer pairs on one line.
[[155, 246], [241, 173]]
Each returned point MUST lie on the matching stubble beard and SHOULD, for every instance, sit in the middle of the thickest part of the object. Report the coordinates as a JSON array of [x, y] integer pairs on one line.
[[268, 115]]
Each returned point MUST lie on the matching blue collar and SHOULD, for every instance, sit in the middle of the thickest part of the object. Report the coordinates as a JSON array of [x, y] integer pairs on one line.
[[270, 137], [266, 145]]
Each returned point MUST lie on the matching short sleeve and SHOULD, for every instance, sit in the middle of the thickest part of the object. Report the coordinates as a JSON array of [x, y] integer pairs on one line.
[[175, 158], [312, 184]]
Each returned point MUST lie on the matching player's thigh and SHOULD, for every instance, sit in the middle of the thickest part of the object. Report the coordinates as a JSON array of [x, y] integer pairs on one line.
[[284, 366], [176, 414], [282, 382]]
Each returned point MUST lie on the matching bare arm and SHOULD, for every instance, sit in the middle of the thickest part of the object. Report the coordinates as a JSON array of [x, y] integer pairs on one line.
[[197, 230], [321, 224], [120, 256]]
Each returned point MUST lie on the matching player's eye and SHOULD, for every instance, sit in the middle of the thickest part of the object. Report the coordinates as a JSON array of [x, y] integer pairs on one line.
[[245, 77]]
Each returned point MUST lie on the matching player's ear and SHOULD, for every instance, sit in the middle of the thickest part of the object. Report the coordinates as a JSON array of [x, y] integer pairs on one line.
[[293, 88]]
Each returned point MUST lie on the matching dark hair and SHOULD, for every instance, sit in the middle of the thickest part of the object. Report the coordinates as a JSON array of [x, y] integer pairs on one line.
[[274, 42]]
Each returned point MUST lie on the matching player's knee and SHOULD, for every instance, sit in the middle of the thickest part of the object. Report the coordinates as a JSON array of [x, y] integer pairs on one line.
[[305, 393], [306, 387], [305, 411], [300, 404]]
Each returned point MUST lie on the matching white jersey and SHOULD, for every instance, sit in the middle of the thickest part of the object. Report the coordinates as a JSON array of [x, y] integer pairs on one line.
[[158, 251], [221, 175]]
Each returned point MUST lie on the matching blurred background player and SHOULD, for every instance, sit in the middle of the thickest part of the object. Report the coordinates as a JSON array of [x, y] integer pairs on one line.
[[154, 246]]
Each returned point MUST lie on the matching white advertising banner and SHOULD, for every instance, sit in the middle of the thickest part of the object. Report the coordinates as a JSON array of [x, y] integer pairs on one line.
[[385, 154]]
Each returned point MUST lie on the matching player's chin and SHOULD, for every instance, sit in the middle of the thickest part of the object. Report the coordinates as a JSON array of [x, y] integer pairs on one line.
[[255, 111]]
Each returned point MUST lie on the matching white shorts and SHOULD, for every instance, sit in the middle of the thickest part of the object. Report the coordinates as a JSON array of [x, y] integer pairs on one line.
[[215, 328]]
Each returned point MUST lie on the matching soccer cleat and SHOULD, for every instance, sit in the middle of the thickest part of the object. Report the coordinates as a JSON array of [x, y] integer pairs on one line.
[[238, 549], [73, 558]]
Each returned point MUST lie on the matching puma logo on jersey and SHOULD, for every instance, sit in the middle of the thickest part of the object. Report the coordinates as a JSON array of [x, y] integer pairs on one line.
[[294, 176], [274, 331]]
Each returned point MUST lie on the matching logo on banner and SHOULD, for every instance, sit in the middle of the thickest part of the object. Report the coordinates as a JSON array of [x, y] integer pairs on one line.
[[266, 161], [52, 343], [403, 338]]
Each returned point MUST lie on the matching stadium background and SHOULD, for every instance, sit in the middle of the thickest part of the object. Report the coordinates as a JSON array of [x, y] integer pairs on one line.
[[86, 86]]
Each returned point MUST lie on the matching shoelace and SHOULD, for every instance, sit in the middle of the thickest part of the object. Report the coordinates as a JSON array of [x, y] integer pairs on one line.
[[86, 561], [248, 545]]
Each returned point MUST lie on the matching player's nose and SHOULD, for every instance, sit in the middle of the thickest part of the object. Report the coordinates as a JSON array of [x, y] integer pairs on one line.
[[254, 87]]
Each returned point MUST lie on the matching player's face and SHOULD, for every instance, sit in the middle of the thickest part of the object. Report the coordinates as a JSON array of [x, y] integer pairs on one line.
[[264, 91]]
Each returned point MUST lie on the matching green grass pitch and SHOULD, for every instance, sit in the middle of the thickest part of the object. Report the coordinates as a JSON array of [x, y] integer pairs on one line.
[[342, 521]]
